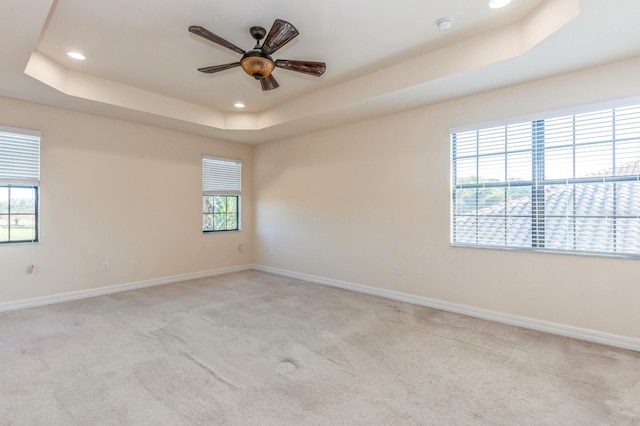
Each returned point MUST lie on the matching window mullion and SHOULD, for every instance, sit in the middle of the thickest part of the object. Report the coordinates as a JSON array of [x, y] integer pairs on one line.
[[537, 191], [454, 183], [574, 219], [506, 189], [9, 214], [614, 206], [477, 197]]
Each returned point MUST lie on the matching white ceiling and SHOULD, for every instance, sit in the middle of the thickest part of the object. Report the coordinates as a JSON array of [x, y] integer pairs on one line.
[[381, 57]]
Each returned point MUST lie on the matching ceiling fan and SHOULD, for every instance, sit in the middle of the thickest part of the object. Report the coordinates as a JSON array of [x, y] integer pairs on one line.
[[257, 62]]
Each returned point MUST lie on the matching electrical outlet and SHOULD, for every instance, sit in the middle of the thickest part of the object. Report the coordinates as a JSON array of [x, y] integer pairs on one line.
[[419, 273], [105, 266], [397, 271]]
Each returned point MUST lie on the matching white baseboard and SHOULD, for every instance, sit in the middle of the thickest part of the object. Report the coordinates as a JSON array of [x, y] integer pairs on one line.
[[516, 320], [118, 288]]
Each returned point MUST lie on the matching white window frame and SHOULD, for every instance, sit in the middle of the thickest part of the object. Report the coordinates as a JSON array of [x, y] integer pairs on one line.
[[618, 223], [20, 169], [221, 183]]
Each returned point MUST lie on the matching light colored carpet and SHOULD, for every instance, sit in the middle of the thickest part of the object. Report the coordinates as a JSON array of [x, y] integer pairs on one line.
[[252, 348]]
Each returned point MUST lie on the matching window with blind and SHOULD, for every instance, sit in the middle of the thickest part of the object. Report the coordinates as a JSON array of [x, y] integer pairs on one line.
[[569, 184], [19, 185], [221, 185]]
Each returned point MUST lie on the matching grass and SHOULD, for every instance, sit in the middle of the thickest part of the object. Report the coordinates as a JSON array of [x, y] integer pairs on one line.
[[17, 234]]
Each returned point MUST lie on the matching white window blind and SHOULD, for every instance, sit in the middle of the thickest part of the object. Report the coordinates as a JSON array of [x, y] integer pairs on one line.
[[569, 183], [19, 157], [221, 177]]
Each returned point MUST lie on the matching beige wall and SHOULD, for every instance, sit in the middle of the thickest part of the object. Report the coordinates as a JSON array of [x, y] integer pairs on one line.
[[353, 202], [348, 203], [118, 192]]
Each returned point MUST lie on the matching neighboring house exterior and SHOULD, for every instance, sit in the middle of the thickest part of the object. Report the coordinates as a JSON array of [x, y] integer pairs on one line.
[[589, 217]]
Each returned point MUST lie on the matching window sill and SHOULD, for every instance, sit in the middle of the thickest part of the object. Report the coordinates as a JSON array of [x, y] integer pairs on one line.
[[551, 251]]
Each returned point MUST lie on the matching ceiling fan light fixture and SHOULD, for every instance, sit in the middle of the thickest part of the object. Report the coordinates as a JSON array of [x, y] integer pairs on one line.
[[497, 4], [257, 64]]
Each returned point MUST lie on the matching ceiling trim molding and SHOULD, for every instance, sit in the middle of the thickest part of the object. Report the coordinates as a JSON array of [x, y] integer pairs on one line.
[[330, 104]]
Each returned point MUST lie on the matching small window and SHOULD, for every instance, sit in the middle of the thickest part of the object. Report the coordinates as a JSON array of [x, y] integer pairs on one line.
[[568, 183], [19, 185], [221, 186]]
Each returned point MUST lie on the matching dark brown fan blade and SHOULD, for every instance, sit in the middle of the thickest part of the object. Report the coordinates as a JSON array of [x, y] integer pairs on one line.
[[218, 68], [204, 33], [281, 33], [315, 69], [268, 83]]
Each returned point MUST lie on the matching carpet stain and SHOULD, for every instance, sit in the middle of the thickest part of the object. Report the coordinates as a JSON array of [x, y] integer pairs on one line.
[[211, 371], [286, 366]]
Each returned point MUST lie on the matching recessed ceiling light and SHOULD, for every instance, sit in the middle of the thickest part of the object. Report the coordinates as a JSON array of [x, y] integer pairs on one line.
[[497, 4], [239, 105], [444, 24], [76, 55]]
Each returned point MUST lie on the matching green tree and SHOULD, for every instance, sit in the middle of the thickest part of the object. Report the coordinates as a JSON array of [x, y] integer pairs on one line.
[[472, 199]]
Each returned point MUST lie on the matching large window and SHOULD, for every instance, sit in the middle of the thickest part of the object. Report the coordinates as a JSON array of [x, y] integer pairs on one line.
[[221, 185], [569, 183], [19, 185]]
